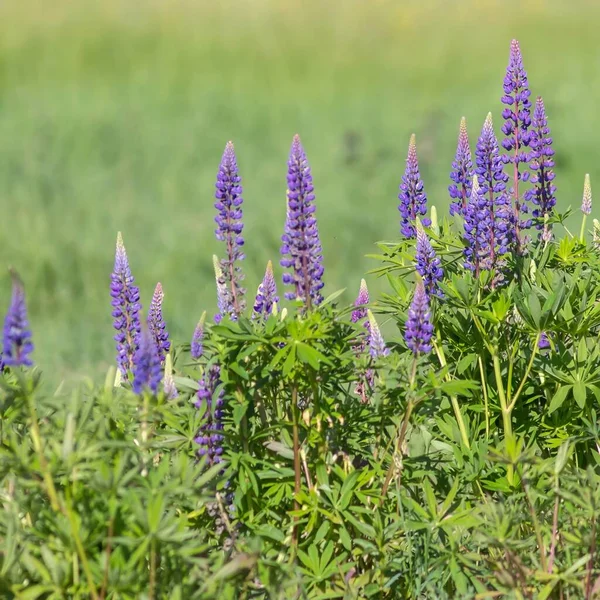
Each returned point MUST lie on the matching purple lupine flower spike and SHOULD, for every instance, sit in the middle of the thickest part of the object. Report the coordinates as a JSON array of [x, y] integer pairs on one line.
[[301, 246], [210, 436], [360, 312], [266, 295], [126, 308], [517, 120], [475, 225], [223, 305], [586, 203], [428, 264], [17, 336], [197, 345], [377, 347], [156, 323], [418, 325], [413, 200], [495, 226], [542, 163], [543, 342], [462, 172], [229, 229], [147, 370]]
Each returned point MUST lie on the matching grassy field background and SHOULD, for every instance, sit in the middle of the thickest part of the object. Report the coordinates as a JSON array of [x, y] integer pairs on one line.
[[114, 115]]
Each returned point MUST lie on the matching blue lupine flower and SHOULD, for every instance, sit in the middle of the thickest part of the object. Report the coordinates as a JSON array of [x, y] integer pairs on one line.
[[210, 435], [413, 200], [17, 336], [197, 345], [156, 323], [517, 120], [462, 172], [419, 329], [542, 162], [147, 370], [126, 308], [229, 230], [428, 264], [301, 246], [266, 295]]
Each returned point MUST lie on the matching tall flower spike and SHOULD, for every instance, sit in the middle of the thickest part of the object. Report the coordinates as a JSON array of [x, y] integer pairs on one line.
[[542, 162], [229, 229], [126, 308], [147, 370], [377, 346], [428, 264], [475, 226], [495, 227], [418, 325], [517, 120], [301, 246], [197, 345], [360, 312], [210, 436], [222, 293], [17, 336], [413, 200], [156, 323], [462, 172], [586, 203], [266, 295]]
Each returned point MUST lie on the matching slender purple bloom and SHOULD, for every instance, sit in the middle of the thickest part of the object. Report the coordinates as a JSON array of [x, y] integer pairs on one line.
[[360, 312], [542, 164], [428, 264], [418, 325], [197, 345], [413, 200], [210, 436], [156, 323], [301, 246], [517, 120], [495, 228], [126, 308], [147, 370], [377, 347], [266, 295], [543, 342], [475, 226], [229, 229], [586, 203], [17, 336], [462, 172]]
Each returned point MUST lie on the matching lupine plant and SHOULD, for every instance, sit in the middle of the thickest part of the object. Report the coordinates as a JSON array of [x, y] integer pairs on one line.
[[439, 441]]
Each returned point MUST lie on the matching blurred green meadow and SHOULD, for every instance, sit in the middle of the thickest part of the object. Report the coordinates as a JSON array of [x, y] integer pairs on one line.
[[114, 115]]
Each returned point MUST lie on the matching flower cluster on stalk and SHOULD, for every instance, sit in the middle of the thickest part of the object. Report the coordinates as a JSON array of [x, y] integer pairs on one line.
[[542, 195], [462, 172], [366, 380], [418, 328], [413, 200], [301, 247], [147, 370], [126, 308], [428, 264], [16, 334], [517, 121], [157, 325], [228, 203], [266, 295], [210, 435], [197, 345]]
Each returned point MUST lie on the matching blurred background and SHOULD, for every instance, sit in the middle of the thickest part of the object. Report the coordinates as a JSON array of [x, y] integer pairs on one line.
[[114, 115]]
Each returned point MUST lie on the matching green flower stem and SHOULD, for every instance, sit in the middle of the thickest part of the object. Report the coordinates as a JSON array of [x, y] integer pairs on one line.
[[485, 397], [582, 231], [297, 466], [453, 399], [513, 402]]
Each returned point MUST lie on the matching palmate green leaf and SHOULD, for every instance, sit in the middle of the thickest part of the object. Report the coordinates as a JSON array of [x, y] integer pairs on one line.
[[559, 397]]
